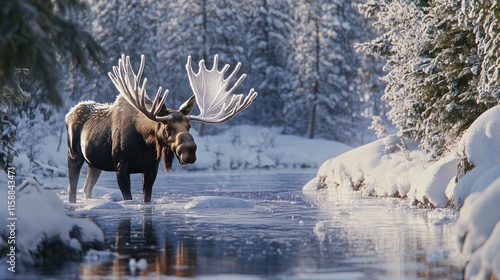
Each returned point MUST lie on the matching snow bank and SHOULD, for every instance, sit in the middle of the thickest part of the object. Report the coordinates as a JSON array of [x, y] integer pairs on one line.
[[479, 233], [43, 232], [479, 147], [387, 167]]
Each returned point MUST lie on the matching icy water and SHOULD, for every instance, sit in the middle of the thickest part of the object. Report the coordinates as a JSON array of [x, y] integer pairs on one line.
[[269, 229]]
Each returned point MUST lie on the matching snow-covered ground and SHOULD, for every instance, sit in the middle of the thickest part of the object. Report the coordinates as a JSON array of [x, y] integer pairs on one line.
[[37, 230], [468, 177]]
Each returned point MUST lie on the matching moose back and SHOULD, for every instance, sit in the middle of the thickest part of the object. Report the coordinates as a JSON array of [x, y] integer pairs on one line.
[[135, 133]]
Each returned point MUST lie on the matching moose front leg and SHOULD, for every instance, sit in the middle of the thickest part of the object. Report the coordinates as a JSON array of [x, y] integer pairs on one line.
[[123, 179], [75, 163], [148, 179]]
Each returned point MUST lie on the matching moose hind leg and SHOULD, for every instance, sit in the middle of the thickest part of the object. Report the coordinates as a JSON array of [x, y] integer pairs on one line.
[[92, 176], [123, 179], [75, 163]]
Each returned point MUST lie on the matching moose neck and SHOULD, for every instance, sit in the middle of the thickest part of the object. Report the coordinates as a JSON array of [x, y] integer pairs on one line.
[[143, 125]]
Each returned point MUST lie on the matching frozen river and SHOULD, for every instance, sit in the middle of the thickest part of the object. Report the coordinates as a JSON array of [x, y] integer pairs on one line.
[[260, 224]]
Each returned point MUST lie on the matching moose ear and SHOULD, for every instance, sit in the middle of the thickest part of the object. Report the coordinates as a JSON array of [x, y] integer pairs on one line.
[[187, 106]]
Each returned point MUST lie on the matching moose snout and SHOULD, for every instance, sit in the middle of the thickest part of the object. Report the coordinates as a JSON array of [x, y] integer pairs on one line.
[[186, 151]]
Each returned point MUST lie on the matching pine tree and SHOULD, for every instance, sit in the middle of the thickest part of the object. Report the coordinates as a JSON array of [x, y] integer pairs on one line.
[[265, 41], [36, 35], [326, 98], [481, 17], [433, 64]]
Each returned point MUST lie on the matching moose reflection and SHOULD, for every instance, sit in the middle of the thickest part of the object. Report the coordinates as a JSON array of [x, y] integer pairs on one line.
[[165, 255]]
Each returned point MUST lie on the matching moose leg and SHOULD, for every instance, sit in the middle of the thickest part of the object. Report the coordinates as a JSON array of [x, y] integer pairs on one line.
[[123, 178], [75, 163], [148, 179], [92, 176]]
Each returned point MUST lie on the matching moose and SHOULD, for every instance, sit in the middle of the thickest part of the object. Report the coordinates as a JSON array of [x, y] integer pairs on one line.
[[134, 133]]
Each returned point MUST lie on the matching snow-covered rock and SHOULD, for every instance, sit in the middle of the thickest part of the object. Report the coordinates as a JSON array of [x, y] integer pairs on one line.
[[43, 231], [429, 183]]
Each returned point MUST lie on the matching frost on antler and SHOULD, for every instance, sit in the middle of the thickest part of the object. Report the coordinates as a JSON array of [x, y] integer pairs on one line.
[[128, 84], [216, 103]]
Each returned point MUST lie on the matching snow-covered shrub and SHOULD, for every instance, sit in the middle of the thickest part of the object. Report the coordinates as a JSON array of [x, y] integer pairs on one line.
[[40, 141], [378, 128], [44, 233]]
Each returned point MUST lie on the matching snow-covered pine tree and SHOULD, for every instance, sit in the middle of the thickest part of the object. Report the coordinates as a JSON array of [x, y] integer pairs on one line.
[[482, 17], [267, 26], [432, 64], [123, 27], [324, 98], [203, 28]]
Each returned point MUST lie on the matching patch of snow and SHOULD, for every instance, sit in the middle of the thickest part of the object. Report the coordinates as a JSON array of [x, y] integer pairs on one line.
[[480, 145], [140, 264], [98, 257], [481, 139], [217, 202], [99, 204], [41, 218], [248, 146]]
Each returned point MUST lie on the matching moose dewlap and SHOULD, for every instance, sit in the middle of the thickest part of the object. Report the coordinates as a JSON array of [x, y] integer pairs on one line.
[[134, 133]]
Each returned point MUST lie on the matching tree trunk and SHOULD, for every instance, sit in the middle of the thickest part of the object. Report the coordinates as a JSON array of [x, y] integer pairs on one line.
[[315, 87], [201, 132]]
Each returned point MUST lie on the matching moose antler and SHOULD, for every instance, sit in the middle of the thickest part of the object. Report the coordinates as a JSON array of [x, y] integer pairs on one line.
[[209, 87], [127, 83]]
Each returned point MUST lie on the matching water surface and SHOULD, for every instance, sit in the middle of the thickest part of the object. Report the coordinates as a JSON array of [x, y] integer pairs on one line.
[[284, 234]]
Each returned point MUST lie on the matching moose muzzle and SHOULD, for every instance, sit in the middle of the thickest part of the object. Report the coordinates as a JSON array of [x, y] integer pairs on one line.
[[186, 149]]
